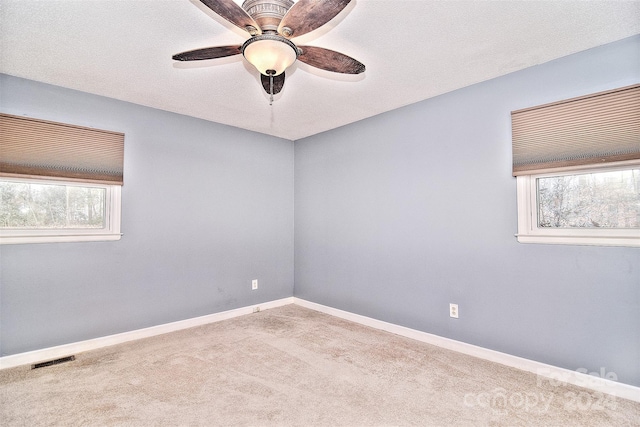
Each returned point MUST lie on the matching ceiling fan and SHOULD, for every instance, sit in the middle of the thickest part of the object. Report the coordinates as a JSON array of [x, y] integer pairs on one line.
[[271, 24]]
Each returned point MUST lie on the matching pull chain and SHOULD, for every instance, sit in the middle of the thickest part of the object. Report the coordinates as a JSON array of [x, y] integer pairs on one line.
[[271, 73], [271, 89]]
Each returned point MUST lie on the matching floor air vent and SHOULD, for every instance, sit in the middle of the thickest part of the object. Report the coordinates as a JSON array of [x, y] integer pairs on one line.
[[53, 362]]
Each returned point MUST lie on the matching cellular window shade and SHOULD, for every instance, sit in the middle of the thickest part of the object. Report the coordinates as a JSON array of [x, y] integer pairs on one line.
[[42, 149], [594, 129]]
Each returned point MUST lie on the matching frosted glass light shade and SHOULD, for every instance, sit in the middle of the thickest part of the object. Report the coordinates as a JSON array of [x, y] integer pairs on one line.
[[270, 54]]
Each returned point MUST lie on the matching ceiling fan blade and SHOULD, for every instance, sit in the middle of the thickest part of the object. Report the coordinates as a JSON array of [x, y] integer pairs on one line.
[[278, 83], [330, 60], [307, 15], [233, 13], [208, 53]]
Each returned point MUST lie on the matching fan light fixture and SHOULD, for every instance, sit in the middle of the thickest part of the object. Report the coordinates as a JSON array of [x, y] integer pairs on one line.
[[270, 54], [271, 23]]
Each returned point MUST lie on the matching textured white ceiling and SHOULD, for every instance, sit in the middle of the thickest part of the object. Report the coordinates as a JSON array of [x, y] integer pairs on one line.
[[413, 50]]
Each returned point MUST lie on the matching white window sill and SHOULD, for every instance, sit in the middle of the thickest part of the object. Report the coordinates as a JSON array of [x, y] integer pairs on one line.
[[580, 240], [58, 238]]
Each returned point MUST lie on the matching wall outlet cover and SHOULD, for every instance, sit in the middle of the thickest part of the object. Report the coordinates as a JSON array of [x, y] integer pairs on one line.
[[453, 310]]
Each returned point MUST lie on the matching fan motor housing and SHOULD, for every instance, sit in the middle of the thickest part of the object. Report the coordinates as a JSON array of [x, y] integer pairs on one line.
[[267, 13]]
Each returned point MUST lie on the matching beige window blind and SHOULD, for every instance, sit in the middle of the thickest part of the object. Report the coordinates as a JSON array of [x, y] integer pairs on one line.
[[42, 149], [594, 129]]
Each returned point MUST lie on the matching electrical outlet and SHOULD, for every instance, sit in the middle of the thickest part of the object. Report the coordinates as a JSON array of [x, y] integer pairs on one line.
[[453, 310], [254, 284]]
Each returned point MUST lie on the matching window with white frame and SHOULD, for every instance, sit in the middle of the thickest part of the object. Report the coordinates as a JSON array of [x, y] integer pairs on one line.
[[592, 206], [58, 182], [577, 165], [39, 211]]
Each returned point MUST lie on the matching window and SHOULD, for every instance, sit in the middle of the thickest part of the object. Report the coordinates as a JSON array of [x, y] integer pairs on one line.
[[591, 207], [58, 182], [577, 165], [38, 211]]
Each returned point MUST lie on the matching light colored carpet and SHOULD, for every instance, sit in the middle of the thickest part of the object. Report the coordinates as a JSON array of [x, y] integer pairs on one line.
[[293, 366]]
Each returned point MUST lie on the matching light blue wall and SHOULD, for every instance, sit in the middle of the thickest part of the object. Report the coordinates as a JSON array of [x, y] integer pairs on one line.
[[401, 214], [205, 209]]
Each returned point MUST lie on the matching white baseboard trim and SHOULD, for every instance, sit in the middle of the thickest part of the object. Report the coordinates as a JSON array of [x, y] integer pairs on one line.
[[546, 373], [57, 352]]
